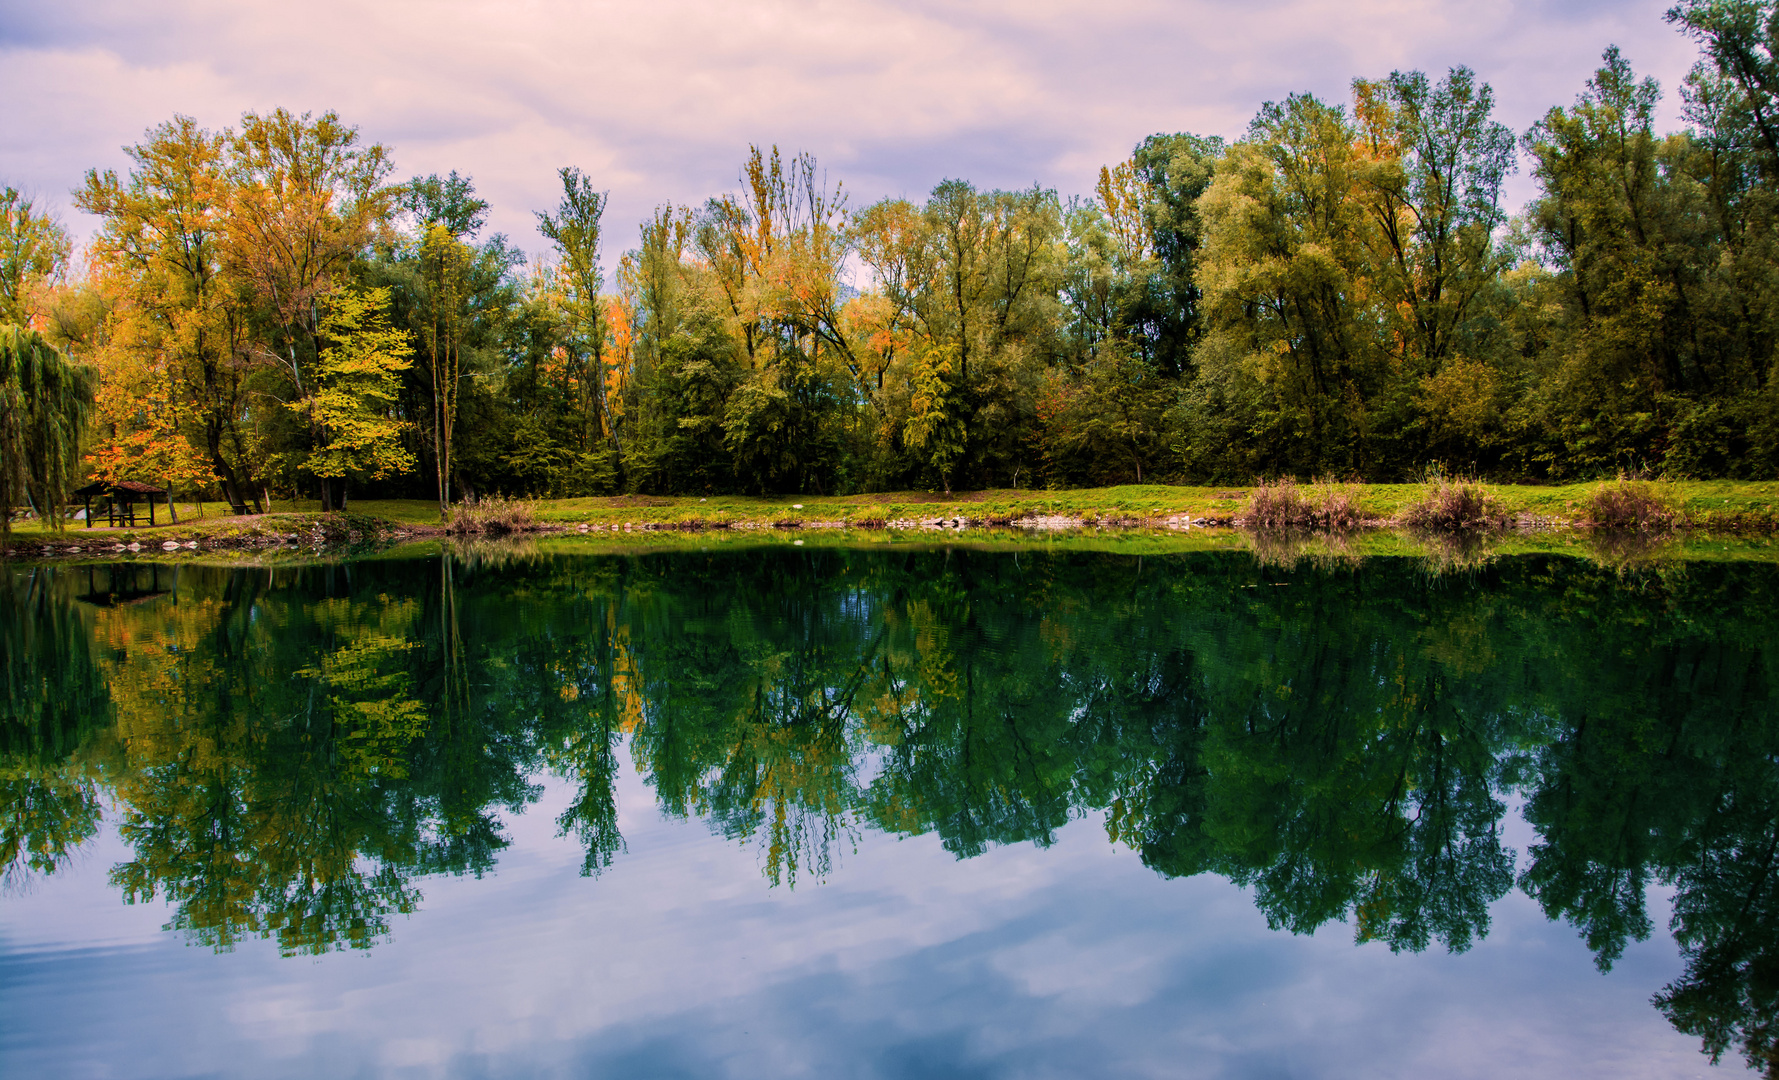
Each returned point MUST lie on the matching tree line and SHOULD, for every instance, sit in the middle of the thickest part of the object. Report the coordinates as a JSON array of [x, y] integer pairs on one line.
[[264, 309]]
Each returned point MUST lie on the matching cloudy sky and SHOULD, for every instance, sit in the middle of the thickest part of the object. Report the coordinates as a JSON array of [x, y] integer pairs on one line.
[[659, 101], [679, 961]]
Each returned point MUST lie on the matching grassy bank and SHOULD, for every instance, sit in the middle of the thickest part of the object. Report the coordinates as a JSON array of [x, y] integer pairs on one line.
[[1714, 504], [1709, 505], [1283, 552], [279, 528]]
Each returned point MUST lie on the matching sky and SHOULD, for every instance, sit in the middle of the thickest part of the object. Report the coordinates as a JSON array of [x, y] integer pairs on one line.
[[660, 101], [1022, 963]]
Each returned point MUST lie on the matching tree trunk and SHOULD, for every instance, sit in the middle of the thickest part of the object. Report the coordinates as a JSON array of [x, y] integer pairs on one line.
[[438, 451], [231, 489]]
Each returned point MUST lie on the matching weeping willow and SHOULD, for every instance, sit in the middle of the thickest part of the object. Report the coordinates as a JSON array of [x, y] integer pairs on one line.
[[45, 402]]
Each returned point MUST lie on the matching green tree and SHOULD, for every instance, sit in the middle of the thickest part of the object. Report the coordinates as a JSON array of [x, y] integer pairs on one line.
[[45, 402], [1167, 316], [1292, 358], [1622, 224], [575, 231], [935, 427]]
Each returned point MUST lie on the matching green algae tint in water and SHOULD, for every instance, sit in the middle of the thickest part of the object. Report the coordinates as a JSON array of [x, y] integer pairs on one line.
[[888, 812]]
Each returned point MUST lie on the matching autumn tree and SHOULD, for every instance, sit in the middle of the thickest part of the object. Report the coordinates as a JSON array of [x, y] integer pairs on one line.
[[142, 423], [159, 253], [356, 386], [34, 250], [305, 200], [976, 273], [774, 253]]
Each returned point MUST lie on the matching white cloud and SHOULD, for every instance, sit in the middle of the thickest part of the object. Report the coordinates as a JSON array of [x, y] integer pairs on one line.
[[660, 101]]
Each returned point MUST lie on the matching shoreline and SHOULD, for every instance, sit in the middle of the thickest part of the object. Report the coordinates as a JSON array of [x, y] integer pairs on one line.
[[324, 537], [1731, 508]]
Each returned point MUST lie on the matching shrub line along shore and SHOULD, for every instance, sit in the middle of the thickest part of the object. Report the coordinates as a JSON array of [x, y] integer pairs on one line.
[[1723, 506]]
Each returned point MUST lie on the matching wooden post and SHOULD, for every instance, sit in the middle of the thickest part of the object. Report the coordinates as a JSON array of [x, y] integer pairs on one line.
[[151, 511]]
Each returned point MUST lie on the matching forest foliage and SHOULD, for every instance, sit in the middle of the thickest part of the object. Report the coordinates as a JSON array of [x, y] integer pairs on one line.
[[1340, 292]]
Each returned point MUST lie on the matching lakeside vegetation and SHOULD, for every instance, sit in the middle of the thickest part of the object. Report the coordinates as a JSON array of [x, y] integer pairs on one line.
[[266, 313], [1711, 506]]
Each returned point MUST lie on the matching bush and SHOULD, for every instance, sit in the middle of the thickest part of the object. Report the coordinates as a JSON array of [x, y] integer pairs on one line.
[[1337, 506], [496, 516], [1278, 505], [1630, 506], [1448, 507], [1281, 505]]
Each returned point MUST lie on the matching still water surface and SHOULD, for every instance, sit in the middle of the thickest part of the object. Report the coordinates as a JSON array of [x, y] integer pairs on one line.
[[887, 812]]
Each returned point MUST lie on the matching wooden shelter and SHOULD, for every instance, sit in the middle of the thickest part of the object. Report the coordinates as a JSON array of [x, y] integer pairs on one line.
[[120, 499], [126, 585]]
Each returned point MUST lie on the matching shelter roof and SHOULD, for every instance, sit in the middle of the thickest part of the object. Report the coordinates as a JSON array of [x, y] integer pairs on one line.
[[129, 487]]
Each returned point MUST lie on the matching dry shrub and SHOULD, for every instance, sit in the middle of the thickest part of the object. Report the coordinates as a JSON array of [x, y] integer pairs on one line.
[[1627, 550], [1454, 507], [1287, 550], [1337, 506], [494, 516], [1630, 506], [1456, 552], [1281, 505], [476, 550], [1277, 505]]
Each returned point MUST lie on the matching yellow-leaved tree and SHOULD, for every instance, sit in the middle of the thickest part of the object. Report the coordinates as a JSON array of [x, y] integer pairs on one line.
[[351, 407]]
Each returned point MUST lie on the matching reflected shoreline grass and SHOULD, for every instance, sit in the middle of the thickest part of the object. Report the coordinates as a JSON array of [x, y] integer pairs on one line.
[[1744, 507], [1282, 548]]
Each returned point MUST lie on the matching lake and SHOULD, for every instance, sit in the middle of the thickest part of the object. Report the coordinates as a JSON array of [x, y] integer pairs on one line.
[[888, 811]]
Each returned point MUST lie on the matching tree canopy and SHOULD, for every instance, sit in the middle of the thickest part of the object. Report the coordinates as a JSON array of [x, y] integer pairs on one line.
[[1338, 291]]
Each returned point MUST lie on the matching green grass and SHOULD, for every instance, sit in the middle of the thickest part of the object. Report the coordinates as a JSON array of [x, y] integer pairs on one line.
[[1312, 550], [1705, 503], [1709, 504], [303, 527], [396, 511]]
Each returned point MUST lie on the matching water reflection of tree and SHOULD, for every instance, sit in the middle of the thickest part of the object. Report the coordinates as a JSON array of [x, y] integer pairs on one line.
[[1664, 767], [52, 700], [291, 750]]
